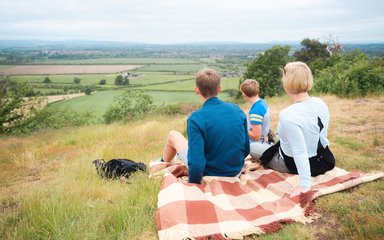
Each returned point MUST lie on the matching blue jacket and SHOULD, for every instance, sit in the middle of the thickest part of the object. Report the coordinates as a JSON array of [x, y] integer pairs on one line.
[[218, 140]]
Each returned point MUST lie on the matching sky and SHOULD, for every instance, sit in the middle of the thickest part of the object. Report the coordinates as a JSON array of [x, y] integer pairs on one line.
[[181, 21]]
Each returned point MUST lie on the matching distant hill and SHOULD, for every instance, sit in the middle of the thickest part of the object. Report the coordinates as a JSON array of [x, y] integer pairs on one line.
[[27, 51]]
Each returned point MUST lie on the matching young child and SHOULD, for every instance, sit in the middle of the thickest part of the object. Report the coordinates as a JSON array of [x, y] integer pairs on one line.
[[259, 120]]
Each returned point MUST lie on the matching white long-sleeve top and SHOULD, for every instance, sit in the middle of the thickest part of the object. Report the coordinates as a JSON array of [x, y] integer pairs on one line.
[[299, 133]]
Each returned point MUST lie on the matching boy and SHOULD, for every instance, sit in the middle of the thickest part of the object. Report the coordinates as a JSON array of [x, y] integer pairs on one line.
[[259, 119], [218, 138]]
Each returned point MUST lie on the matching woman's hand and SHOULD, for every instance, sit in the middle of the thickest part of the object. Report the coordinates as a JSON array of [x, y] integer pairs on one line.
[[298, 190]]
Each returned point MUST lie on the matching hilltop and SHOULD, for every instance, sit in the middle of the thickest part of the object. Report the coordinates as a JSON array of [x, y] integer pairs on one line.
[[49, 188]]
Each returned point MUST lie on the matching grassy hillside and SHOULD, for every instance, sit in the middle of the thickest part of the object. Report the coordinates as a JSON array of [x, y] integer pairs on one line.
[[49, 188]]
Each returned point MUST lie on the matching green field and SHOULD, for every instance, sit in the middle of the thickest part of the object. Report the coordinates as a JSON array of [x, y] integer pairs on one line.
[[146, 78], [188, 85], [173, 68], [86, 79], [98, 102]]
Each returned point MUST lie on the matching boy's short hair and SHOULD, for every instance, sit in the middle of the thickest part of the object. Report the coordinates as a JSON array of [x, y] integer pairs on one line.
[[208, 82], [250, 87], [297, 77]]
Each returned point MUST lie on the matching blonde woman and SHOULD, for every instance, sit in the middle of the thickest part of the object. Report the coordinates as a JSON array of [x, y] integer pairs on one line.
[[303, 146]]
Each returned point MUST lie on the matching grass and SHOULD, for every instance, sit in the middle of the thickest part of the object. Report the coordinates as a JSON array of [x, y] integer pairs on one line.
[[49, 188]]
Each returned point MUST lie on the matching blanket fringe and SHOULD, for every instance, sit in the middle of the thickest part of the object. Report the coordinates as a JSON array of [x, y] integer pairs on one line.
[[212, 237], [307, 204], [273, 226]]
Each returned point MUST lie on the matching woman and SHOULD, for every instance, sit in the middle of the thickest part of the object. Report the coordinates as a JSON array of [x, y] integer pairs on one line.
[[303, 146]]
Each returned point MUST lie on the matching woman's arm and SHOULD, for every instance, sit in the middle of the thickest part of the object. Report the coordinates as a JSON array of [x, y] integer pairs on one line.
[[296, 141]]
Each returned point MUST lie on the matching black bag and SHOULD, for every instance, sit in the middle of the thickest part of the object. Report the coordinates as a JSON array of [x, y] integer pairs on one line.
[[268, 154], [117, 167]]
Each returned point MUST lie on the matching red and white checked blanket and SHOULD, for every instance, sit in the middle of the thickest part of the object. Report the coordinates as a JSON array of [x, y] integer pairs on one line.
[[230, 208]]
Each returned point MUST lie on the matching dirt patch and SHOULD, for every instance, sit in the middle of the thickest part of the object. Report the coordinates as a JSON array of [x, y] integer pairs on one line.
[[55, 98], [66, 69]]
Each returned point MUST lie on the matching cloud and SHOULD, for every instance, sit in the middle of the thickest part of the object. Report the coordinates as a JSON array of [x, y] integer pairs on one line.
[[168, 21]]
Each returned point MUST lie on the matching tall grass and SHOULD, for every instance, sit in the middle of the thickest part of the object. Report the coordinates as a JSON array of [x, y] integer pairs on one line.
[[50, 190]]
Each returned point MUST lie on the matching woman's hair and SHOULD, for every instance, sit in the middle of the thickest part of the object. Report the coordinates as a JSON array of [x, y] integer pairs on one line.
[[297, 77], [250, 87], [208, 82]]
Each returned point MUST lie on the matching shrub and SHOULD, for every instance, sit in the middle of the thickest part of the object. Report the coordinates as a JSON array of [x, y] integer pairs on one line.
[[352, 75], [77, 80], [119, 80], [88, 90], [132, 104], [47, 80], [179, 108]]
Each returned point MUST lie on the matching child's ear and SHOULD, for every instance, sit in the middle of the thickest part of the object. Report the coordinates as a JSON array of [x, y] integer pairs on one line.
[[219, 89]]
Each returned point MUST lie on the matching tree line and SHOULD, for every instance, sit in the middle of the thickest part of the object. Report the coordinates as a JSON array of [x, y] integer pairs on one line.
[[345, 74]]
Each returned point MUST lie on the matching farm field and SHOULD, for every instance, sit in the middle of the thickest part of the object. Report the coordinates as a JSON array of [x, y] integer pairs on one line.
[[139, 61], [66, 69], [86, 79], [166, 80]]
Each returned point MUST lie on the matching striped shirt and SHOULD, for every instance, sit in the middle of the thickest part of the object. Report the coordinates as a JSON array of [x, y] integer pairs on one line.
[[259, 115]]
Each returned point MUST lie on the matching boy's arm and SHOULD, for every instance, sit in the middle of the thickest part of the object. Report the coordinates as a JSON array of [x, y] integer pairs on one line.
[[196, 158], [255, 132]]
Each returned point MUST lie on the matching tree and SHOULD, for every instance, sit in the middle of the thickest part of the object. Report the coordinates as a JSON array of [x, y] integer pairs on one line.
[[311, 51], [87, 90], [333, 45], [77, 80], [11, 103], [103, 82], [119, 80], [125, 81], [47, 80], [266, 69]]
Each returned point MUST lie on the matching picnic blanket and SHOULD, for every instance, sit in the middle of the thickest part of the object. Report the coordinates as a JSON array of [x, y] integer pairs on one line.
[[230, 208]]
